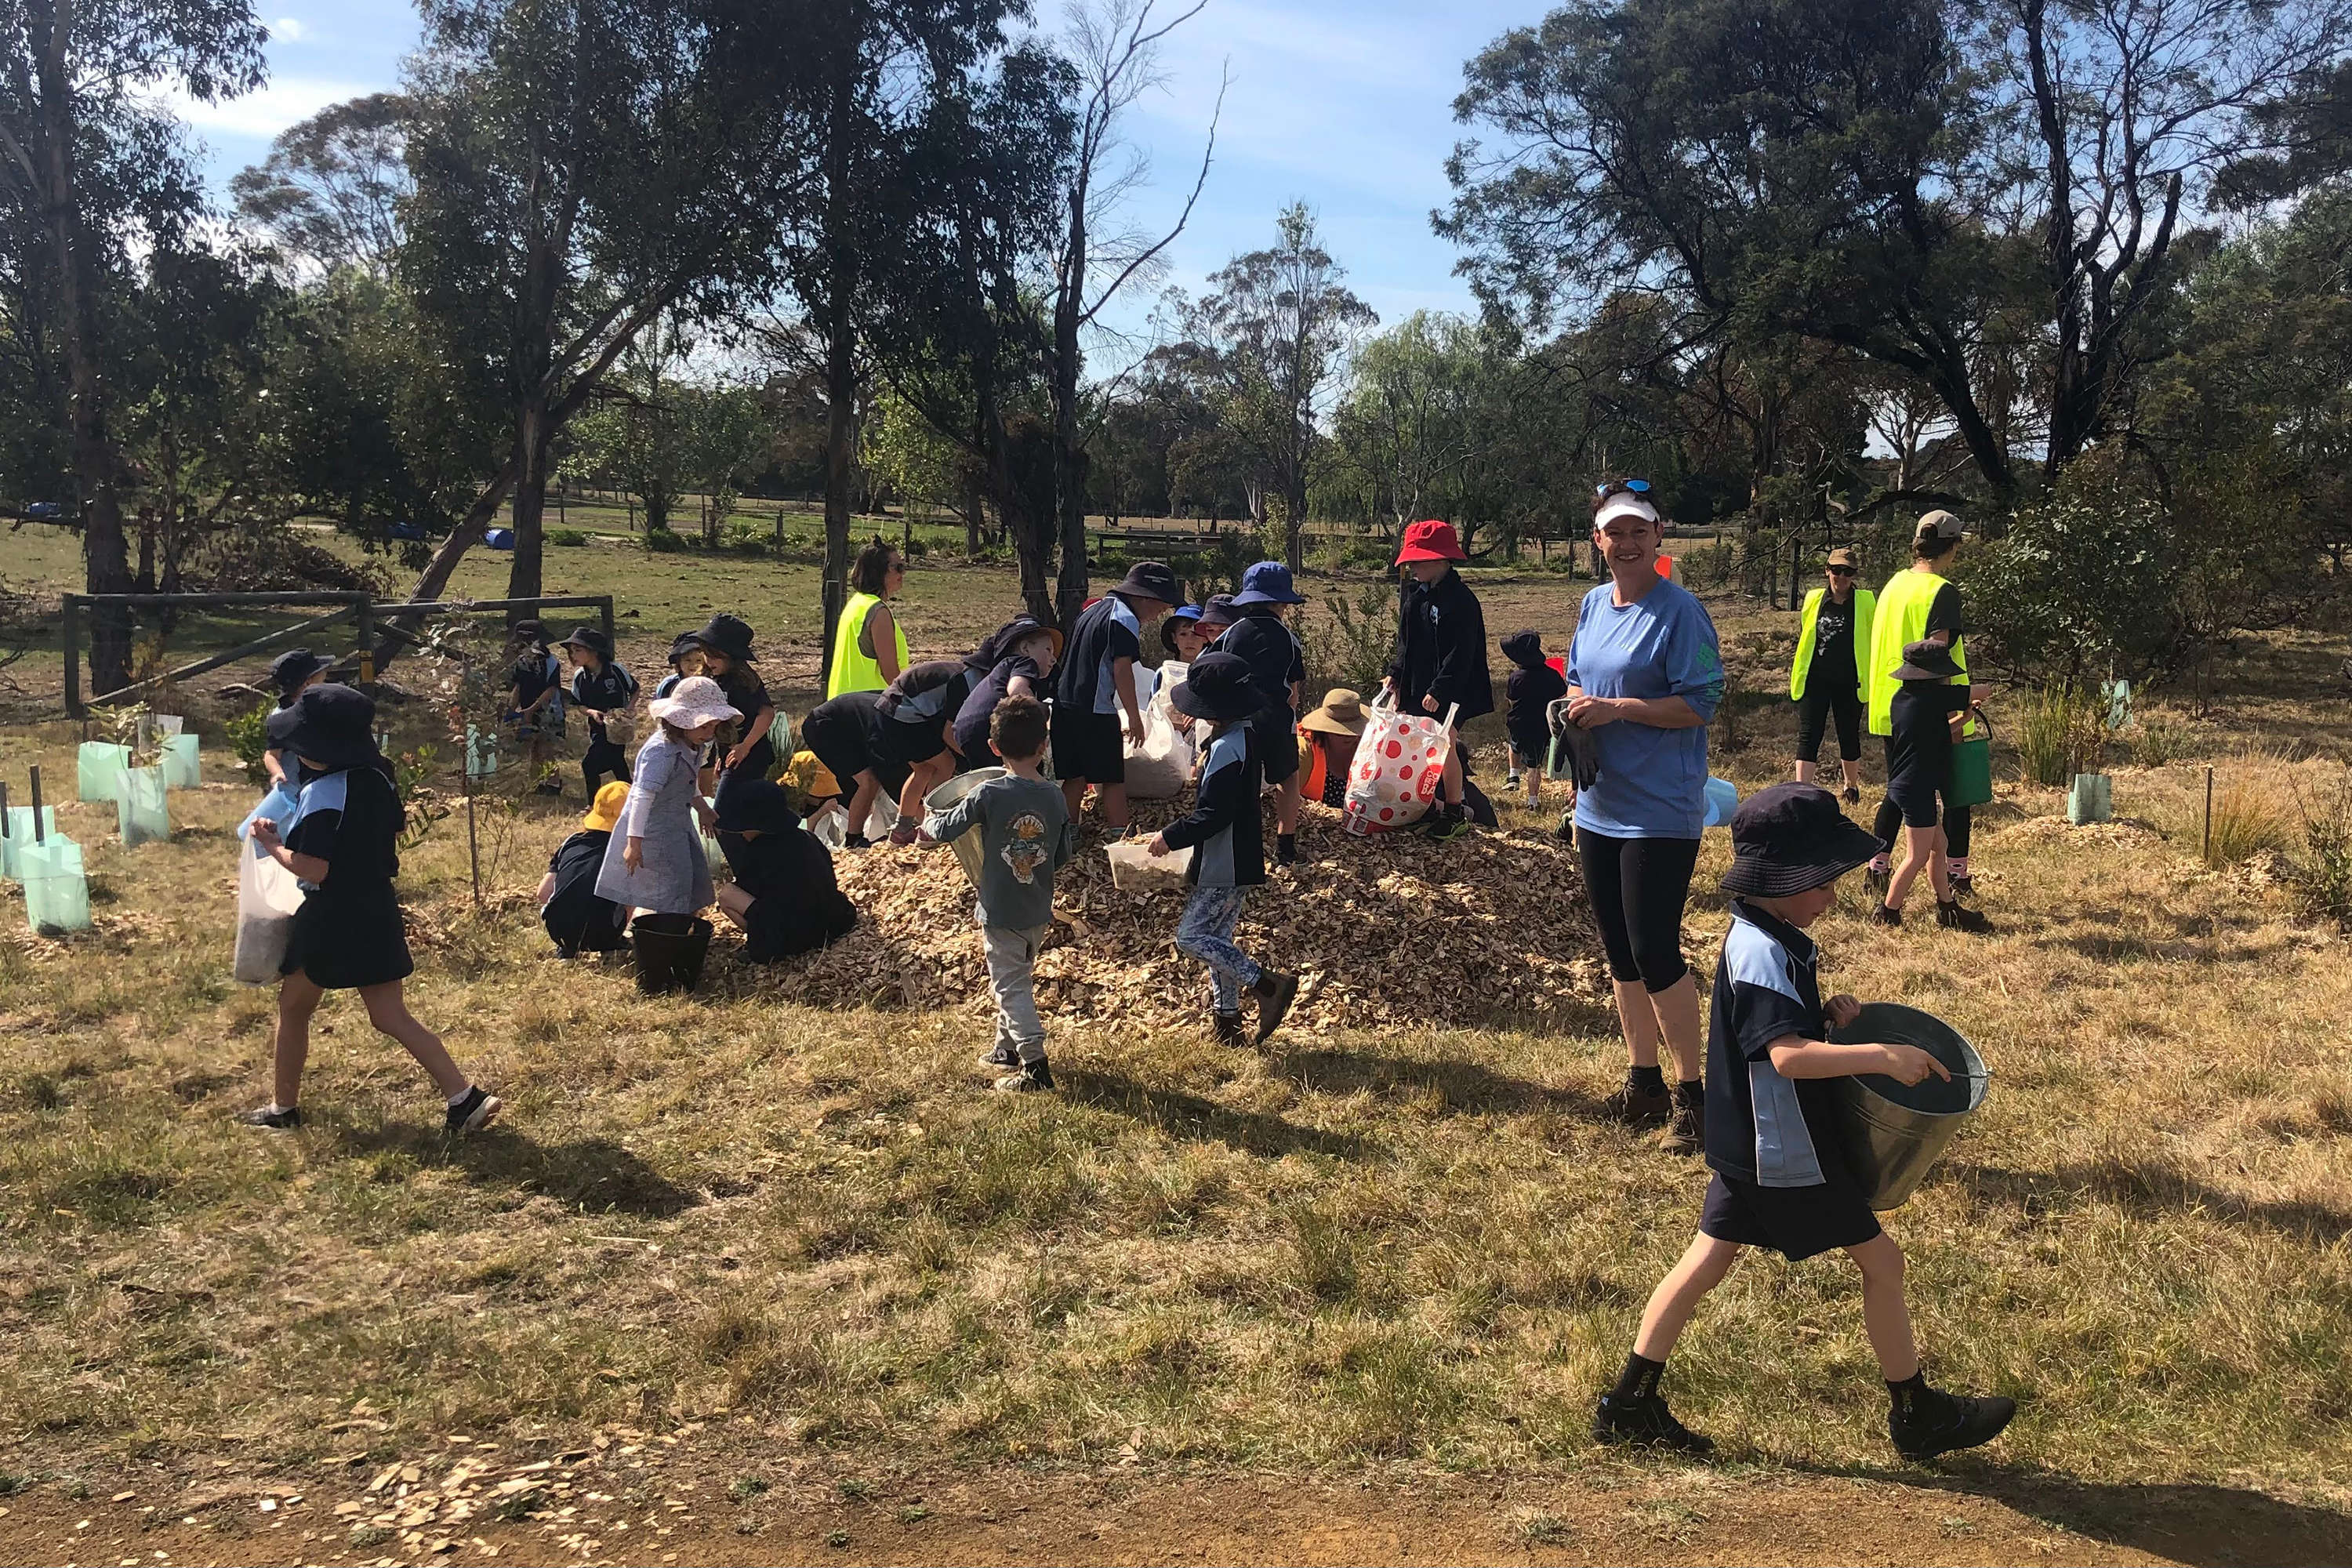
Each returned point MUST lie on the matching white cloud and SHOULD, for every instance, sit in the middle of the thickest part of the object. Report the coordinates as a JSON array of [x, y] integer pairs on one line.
[[289, 29], [262, 115]]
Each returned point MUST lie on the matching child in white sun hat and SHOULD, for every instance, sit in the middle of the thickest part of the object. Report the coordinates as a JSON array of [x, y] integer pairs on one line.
[[655, 861]]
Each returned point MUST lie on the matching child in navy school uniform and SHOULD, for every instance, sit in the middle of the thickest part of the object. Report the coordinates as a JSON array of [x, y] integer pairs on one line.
[[1227, 840], [1095, 711], [1532, 686], [1782, 1179]]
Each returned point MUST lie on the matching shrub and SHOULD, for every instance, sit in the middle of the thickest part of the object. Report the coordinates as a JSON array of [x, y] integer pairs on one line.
[[249, 736], [2060, 732], [663, 541], [569, 538], [2159, 739], [1351, 642], [2323, 874]]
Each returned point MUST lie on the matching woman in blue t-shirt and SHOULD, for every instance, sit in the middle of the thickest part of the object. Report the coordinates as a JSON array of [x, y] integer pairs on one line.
[[1645, 675]]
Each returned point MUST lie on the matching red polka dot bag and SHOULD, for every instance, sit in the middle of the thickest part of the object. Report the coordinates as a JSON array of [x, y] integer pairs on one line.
[[1399, 764]]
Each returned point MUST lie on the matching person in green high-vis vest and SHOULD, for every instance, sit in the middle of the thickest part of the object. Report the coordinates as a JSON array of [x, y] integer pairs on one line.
[[869, 646], [1917, 604], [1825, 680]]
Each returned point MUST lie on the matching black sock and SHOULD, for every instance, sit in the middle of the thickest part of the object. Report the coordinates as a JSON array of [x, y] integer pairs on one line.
[[1649, 1079], [1693, 1088], [1286, 845], [1907, 1392], [1640, 1378]]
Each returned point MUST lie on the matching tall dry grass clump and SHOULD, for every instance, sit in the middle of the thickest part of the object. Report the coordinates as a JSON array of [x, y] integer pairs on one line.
[[2060, 732]]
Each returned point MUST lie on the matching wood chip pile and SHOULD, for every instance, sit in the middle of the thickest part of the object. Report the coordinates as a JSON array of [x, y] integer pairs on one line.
[[1387, 931]]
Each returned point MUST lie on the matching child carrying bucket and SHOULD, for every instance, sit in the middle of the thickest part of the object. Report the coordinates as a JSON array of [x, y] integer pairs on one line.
[[1781, 1177], [342, 842]]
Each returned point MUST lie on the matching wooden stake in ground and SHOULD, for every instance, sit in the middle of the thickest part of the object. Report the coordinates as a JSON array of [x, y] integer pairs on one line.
[[2206, 854]]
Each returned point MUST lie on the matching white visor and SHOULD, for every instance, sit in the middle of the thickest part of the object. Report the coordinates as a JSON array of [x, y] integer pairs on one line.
[[1624, 504]]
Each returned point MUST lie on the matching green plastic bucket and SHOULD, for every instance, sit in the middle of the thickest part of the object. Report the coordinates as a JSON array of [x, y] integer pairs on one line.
[[1972, 770]]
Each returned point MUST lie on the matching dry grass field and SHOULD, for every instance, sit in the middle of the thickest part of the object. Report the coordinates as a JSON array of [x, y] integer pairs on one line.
[[805, 1243]]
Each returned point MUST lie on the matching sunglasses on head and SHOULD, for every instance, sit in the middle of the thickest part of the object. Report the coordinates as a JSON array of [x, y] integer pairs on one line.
[[1625, 486]]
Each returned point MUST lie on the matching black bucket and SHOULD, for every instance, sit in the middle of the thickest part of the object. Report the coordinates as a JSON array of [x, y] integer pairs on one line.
[[670, 949]]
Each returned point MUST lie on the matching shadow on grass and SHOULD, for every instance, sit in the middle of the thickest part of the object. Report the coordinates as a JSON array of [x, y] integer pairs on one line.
[[2186, 1522], [1461, 1085], [1183, 1115], [594, 1174], [2151, 1189]]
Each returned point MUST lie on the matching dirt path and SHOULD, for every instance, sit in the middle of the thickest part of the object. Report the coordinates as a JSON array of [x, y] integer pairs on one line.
[[691, 1502]]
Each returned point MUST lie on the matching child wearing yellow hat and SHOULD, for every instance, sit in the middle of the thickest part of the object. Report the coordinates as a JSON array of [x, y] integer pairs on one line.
[[576, 917]]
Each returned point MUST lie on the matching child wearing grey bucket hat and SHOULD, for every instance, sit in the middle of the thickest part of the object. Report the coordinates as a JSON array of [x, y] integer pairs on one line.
[[1781, 1175]]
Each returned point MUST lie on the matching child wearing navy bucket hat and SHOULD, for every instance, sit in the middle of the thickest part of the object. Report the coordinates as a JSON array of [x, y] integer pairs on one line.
[[341, 842], [1227, 839], [1780, 1176], [1096, 710], [1277, 667]]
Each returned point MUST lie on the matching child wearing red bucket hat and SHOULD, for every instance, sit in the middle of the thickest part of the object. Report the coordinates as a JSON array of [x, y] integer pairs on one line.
[[1441, 651], [1780, 1176]]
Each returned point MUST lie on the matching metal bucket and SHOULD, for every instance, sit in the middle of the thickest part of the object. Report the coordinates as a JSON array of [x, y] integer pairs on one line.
[[1894, 1131], [967, 847]]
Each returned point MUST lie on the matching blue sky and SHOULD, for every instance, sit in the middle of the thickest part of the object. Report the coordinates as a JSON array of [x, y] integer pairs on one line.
[[1345, 104]]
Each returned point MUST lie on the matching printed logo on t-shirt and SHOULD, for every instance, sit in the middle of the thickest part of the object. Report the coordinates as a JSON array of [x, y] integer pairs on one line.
[[1026, 851]]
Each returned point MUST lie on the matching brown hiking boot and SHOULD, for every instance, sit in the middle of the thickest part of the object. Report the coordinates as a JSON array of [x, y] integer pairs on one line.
[[1686, 1133], [1638, 1107], [1274, 992]]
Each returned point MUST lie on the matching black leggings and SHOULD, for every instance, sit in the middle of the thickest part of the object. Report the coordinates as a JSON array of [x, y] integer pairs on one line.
[[1638, 888], [1889, 826], [603, 757], [1822, 700]]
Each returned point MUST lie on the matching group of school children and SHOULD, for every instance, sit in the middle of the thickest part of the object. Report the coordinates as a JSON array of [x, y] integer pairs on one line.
[[1779, 1178]]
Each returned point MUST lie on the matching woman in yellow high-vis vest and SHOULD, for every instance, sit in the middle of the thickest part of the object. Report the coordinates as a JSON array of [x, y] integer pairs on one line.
[[1825, 680], [869, 646], [1917, 604]]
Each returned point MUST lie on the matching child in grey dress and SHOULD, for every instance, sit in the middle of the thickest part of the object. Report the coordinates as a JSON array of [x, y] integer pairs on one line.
[[654, 863]]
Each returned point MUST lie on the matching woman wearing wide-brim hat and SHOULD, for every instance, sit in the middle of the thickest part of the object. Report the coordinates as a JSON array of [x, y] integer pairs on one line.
[[342, 846], [1327, 745], [726, 659], [654, 863], [1825, 678]]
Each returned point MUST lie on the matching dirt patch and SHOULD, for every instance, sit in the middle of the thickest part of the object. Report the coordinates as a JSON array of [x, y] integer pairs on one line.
[[701, 1501]]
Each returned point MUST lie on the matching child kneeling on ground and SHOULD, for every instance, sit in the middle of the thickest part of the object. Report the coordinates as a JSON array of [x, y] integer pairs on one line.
[[1227, 839], [1782, 1179], [1026, 836]]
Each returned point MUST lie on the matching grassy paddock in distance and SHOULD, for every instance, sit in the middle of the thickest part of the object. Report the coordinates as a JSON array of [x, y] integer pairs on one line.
[[1419, 1244]]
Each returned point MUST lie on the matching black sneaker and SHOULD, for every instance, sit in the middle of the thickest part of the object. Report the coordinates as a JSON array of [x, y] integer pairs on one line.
[[1004, 1056], [1686, 1133], [1956, 916], [476, 1111], [1878, 880], [1448, 822], [1644, 1421], [857, 841], [1940, 1423], [1032, 1077], [551, 787], [269, 1116], [1227, 1027], [1963, 882], [1851, 796], [1639, 1107], [1274, 992], [1286, 849], [1880, 915]]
